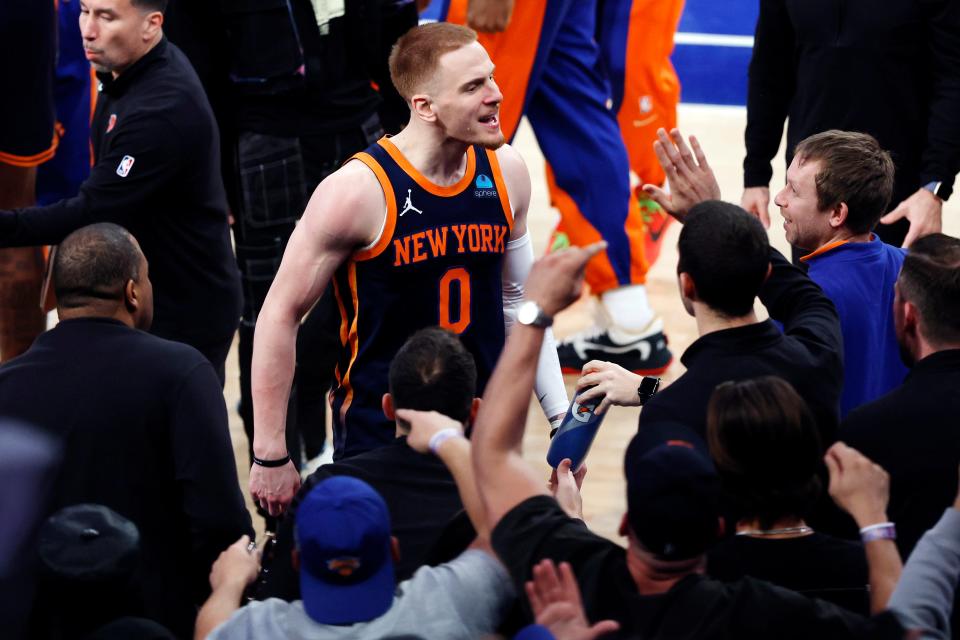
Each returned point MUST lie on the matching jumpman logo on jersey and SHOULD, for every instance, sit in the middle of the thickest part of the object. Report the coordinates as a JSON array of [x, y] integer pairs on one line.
[[408, 205]]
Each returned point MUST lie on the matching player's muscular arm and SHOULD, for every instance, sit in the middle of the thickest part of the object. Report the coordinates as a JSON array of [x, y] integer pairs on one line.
[[517, 179], [345, 212], [549, 386]]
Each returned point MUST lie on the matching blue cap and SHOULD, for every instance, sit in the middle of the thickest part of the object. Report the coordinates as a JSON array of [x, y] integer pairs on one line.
[[346, 565]]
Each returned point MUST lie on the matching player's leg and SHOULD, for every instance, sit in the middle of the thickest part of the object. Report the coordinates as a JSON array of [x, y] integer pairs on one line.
[[27, 139], [636, 40], [590, 186]]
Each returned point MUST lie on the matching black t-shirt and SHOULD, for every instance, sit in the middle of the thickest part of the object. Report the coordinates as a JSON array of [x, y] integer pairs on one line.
[[817, 565], [425, 511], [696, 607]]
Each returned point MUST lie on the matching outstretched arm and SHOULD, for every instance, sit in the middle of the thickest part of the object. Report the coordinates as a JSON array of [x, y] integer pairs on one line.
[[433, 432], [344, 213], [549, 386], [862, 489], [691, 178], [503, 478]]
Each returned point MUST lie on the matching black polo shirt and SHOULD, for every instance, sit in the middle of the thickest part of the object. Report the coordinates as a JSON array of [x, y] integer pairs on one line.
[[807, 353], [156, 173]]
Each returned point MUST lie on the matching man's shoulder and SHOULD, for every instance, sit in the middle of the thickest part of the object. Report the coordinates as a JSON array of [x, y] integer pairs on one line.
[[271, 618]]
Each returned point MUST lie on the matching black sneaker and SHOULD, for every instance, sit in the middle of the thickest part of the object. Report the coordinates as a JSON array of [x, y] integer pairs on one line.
[[644, 354]]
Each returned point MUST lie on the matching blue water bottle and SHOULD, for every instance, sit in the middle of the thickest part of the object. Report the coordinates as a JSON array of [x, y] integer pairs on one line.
[[576, 433]]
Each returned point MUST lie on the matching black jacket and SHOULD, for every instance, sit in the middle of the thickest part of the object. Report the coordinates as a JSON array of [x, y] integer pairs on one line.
[[143, 428], [890, 69], [157, 173], [808, 354], [914, 433]]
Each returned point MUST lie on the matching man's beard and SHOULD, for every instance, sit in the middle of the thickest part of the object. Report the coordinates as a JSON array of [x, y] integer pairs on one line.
[[494, 145]]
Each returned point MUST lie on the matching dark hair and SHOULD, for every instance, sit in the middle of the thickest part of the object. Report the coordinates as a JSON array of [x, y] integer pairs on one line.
[[95, 262], [433, 371], [853, 169], [764, 441], [150, 5], [726, 252], [930, 279]]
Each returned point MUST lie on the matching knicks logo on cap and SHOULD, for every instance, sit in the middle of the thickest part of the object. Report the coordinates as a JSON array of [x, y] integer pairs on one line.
[[112, 122], [344, 566], [125, 165]]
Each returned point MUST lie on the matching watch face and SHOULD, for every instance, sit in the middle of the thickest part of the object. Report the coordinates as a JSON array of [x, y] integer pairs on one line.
[[527, 312]]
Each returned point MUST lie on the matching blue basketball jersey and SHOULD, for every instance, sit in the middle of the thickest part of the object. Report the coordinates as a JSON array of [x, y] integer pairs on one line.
[[438, 261]]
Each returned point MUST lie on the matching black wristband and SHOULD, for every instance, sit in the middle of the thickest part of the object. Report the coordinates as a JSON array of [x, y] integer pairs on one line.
[[279, 462]]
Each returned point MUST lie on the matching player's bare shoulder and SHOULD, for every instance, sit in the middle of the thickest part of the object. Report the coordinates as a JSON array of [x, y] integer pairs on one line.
[[517, 178], [348, 204]]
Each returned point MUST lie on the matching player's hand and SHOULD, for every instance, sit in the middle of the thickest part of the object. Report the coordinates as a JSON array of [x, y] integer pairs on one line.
[[424, 425], [565, 486], [924, 211], [490, 16], [556, 280], [274, 488], [555, 600], [756, 200], [691, 178], [857, 485], [237, 566], [617, 385]]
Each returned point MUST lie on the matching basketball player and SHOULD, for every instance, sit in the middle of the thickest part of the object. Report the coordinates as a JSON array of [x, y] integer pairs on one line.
[[585, 91], [425, 228]]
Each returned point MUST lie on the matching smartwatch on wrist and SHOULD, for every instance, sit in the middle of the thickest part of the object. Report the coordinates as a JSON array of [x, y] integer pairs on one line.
[[647, 389], [935, 187], [530, 313]]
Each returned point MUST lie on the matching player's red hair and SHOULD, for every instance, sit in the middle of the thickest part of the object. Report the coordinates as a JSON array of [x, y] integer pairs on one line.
[[415, 56]]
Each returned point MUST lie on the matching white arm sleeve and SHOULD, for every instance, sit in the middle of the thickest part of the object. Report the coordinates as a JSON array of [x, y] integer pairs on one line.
[[549, 385]]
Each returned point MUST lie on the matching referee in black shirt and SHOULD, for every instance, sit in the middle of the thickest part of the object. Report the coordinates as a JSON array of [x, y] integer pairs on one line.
[[156, 172]]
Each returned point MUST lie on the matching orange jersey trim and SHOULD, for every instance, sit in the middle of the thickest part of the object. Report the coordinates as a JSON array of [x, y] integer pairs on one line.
[[344, 329], [37, 158], [501, 187], [825, 248], [422, 180], [353, 339], [390, 224]]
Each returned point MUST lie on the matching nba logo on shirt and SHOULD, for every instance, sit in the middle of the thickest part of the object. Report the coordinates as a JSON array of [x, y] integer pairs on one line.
[[484, 187], [124, 167]]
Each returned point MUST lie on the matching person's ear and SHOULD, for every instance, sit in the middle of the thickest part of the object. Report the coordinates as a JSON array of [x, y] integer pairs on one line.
[[839, 215], [131, 297], [395, 548], [911, 318], [624, 528], [687, 286], [422, 106], [769, 271], [388, 409], [295, 559], [153, 23], [474, 408]]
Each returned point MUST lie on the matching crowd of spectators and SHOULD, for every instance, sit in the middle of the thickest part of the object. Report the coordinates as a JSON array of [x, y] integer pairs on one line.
[[798, 480]]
